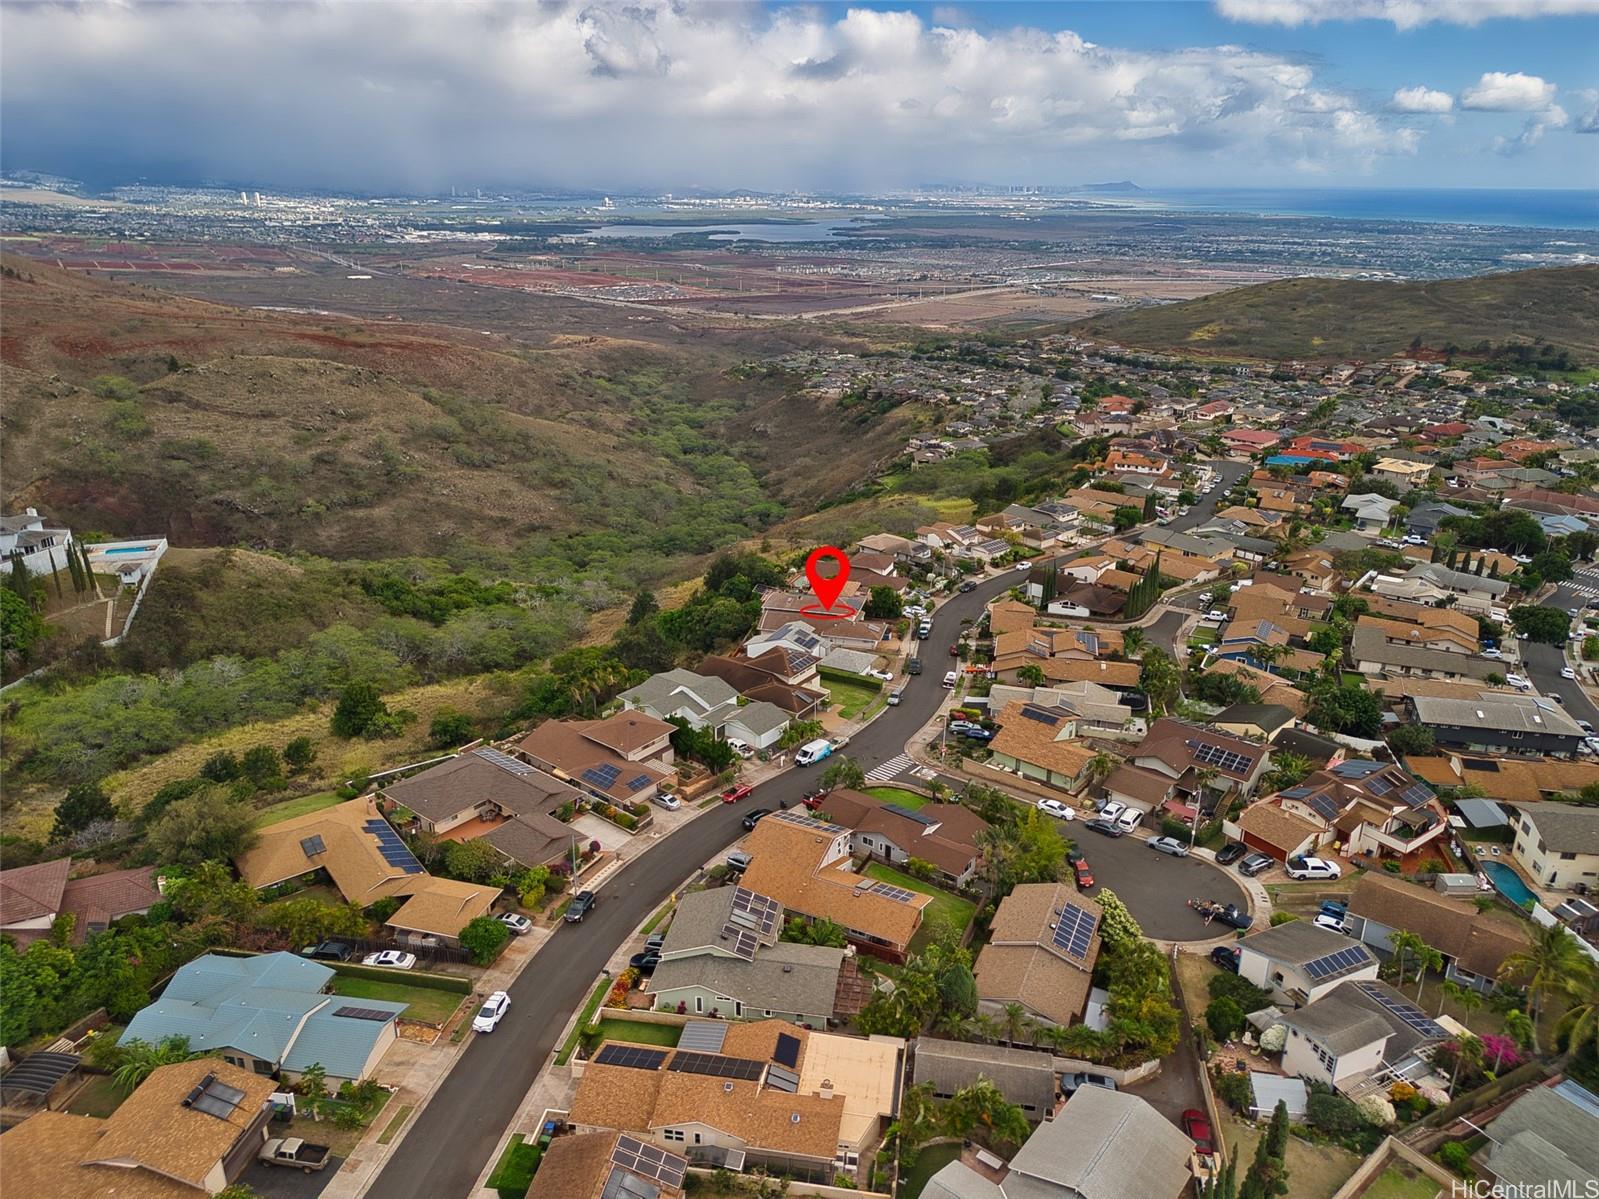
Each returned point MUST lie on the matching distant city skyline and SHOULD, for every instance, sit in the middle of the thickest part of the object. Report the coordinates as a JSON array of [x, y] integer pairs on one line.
[[392, 97]]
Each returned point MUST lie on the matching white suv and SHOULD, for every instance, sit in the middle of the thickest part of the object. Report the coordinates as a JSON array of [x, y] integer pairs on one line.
[[1054, 807], [1313, 868]]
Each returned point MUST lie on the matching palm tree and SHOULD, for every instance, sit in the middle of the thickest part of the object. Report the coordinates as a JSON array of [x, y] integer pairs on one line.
[[1552, 964], [1408, 948], [1267, 655], [955, 1024], [1016, 1022], [986, 1028], [1468, 1049], [1134, 640], [1518, 1028], [140, 1059], [1100, 767]]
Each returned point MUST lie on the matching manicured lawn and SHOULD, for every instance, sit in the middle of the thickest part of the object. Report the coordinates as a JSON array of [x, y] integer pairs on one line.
[[945, 906], [99, 1097], [898, 795], [596, 997], [928, 1162], [1204, 636], [1314, 1171], [664, 911], [1401, 1182], [639, 1033], [296, 807], [850, 699], [513, 1173], [423, 1003]]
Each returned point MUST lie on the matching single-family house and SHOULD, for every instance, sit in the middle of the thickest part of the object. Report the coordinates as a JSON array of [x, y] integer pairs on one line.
[[1507, 724], [1043, 943], [623, 758], [1380, 647], [42, 547], [1298, 963], [694, 697], [607, 1165], [1474, 944], [1024, 1077], [1179, 751], [1041, 744], [1557, 844], [1546, 1142], [943, 835], [1260, 722], [1360, 1035], [33, 897], [1370, 512], [1432, 582], [1424, 520], [1406, 473]]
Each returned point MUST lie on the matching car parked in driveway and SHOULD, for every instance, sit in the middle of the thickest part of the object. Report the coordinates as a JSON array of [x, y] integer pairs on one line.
[[328, 951], [1111, 809], [1226, 956], [519, 924], [1300, 867], [1331, 923], [492, 1012], [1255, 863], [1197, 1126], [1071, 1082], [1108, 827], [1054, 807], [738, 861], [669, 801], [645, 962], [1230, 853], [734, 794], [394, 959], [1168, 845], [582, 904], [753, 815], [1129, 819]]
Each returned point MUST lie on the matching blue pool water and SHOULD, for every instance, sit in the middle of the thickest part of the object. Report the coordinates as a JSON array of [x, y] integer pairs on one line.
[[1508, 882], [129, 549]]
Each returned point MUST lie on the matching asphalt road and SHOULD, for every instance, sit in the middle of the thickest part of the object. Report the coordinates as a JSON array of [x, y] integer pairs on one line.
[[1205, 507], [451, 1140], [1543, 663]]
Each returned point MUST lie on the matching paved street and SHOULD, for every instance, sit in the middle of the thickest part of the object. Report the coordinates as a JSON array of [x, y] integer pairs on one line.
[[1543, 664]]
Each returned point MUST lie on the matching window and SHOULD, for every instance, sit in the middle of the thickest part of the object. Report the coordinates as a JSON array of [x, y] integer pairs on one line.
[[262, 1067], [673, 1134], [696, 1138], [699, 1003], [1568, 857]]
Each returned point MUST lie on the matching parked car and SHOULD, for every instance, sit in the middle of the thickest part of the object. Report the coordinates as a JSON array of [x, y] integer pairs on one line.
[[394, 959], [1216, 614], [813, 751], [1129, 819], [1254, 863], [1197, 1127], [668, 801], [913, 666], [1111, 810], [1521, 681], [519, 924], [966, 585], [654, 942], [949, 678], [1226, 956], [1331, 923], [1071, 1082], [1108, 827], [1331, 907], [492, 1012], [735, 793], [962, 727], [1054, 807], [294, 1153], [1168, 845], [1231, 852], [1085, 875], [738, 861], [645, 962], [740, 748], [886, 676], [955, 650], [753, 815], [328, 951], [978, 733], [582, 904], [1234, 917], [1300, 867], [1567, 673], [813, 799]]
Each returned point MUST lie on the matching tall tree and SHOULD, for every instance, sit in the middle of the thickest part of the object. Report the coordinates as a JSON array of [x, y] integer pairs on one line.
[[1411, 952], [1551, 965]]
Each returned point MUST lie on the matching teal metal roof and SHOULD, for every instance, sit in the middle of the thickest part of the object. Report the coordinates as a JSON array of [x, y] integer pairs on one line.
[[340, 1043]]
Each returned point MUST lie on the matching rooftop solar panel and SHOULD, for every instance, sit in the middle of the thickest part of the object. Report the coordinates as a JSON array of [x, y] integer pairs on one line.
[[1040, 715], [649, 1161], [603, 776], [897, 894], [313, 845], [1323, 806], [756, 911], [1409, 1013], [363, 1013], [634, 1057], [740, 941], [1416, 794], [505, 761], [1074, 931], [1340, 962], [1221, 758], [804, 821], [638, 782], [787, 1050], [392, 847], [909, 814], [1378, 785], [780, 1079], [716, 1066]]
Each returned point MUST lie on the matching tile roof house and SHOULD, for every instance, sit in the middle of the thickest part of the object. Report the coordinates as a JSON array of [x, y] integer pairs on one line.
[[1180, 751], [367, 861], [1044, 941], [269, 1014], [1519, 724], [1474, 944], [805, 865], [771, 1095], [1546, 1139], [1259, 721], [693, 697], [1358, 1033], [624, 758], [1102, 1145], [607, 1165], [1380, 647], [944, 835], [1299, 963], [1041, 744], [189, 1129], [32, 897], [722, 957], [1025, 1077], [1558, 844]]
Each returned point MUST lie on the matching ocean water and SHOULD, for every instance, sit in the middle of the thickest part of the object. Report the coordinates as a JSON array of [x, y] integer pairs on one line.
[[1525, 208]]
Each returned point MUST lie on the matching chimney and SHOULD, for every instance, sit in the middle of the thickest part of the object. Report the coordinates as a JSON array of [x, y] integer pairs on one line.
[[825, 1091]]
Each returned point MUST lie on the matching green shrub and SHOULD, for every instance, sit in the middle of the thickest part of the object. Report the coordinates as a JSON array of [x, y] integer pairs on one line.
[[1456, 1157], [1233, 1089], [1333, 1114], [1282, 918], [513, 1174], [1224, 1018], [1241, 991]]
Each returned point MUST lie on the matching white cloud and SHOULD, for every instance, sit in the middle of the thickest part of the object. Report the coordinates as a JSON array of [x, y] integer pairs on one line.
[[1404, 14], [1588, 122], [1554, 117], [1499, 91], [1421, 99], [647, 93]]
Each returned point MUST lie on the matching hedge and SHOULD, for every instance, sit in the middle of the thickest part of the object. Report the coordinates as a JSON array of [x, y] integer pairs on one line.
[[513, 1174], [848, 676], [439, 982]]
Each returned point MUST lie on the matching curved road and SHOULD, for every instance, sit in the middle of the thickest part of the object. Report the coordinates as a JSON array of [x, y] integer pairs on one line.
[[449, 1144], [1543, 663]]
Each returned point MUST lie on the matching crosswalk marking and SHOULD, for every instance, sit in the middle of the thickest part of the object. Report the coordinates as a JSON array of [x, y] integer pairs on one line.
[[890, 769]]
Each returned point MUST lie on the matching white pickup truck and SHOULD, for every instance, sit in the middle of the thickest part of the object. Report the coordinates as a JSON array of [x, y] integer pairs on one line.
[[294, 1153]]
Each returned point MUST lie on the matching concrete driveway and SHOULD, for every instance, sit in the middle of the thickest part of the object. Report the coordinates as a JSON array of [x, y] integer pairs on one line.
[[276, 1182], [592, 828]]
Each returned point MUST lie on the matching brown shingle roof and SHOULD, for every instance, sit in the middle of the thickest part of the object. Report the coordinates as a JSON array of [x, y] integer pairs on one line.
[[571, 747], [1479, 941], [945, 834], [1021, 963], [30, 892], [1035, 742], [577, 1167], [1007, 615], [1277, 828], [42, 1156], [444, 907], [102, 898], [472, 778]]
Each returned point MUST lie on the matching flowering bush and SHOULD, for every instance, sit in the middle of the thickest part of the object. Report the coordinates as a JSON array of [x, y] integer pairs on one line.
[[1274, 1038], [1401, 1092], [619, 989], [1375, 1110], [1433, 1095], [1500, 1054]]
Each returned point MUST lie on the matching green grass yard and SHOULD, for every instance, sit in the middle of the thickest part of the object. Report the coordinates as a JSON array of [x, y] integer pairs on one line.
[[291, 808], [1401, 1182], [639, 1033], [428, 1004], [97, 1097], [596, 997], [850, 699], [945, 906], [928, 1162], [898, 795]]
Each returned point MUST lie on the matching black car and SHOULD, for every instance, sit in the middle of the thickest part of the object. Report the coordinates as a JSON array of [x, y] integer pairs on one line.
[[1226, 956], [582, 904], [1230, 915], [1255, 863], [328, 951], [1231, 852], [755, 814], [645, 962], [914, 666], [1109, 827], [967, 585]]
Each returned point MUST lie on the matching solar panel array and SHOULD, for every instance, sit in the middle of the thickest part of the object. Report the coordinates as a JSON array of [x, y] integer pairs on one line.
[[638, 782], [649, 1161], [897, 894], [214, 1098], [395, 851], [1341, 962], [364, 1013], [707, 1036], [1416, 794], [313, 845], [1323, 805], [1222, 758], [603, 776], [634, 1057], [716, 1066], [505, 762], [1040, 715], [1074, 931], [787, 1050], [780, 1079], [1409, 1013], [1378, 785], [756, 911], [909, 814], [740, 941], [804, 821]]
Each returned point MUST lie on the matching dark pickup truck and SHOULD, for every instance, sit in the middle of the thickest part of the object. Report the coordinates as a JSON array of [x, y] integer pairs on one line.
[[294, 1153], [914, 666]]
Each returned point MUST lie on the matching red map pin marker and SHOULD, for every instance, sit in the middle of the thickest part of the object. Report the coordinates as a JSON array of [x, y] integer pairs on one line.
[[827, 589]]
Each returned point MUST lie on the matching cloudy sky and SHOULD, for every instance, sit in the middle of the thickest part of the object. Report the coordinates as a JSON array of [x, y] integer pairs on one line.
[[374, 96]]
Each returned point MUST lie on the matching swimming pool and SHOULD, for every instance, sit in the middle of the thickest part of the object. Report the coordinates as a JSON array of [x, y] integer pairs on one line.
[[1508, 883]]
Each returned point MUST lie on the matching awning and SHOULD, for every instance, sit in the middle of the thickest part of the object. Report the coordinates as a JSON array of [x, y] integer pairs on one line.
[[38, 1073]]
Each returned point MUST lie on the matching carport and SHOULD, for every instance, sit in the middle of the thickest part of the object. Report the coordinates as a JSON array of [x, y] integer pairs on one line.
[[36, 1078]]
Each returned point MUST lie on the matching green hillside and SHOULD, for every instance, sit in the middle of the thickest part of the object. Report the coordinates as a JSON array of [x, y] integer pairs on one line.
[[1340, 319]]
